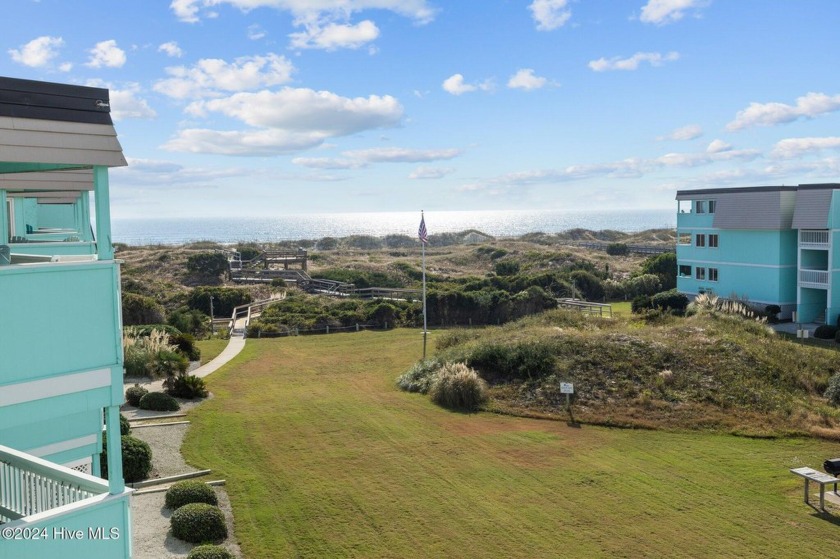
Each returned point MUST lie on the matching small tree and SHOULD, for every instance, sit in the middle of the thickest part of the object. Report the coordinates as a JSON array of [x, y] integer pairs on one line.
[[665, 266]]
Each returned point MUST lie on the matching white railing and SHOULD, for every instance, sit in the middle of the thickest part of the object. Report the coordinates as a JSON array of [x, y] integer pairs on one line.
[[30, 485], [819, 277], [813, 238]]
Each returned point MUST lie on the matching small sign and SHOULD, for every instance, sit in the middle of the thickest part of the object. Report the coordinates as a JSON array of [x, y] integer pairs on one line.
[[567, 388]]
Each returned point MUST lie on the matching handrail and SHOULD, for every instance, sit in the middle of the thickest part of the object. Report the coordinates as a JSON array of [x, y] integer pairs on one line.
[[30, 485]]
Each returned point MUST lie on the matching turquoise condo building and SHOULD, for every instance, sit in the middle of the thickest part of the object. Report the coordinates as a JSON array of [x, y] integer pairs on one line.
[[61, 362], [766, 245]]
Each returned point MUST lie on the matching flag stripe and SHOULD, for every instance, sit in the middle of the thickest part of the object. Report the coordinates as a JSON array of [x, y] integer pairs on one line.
[[422, 233]]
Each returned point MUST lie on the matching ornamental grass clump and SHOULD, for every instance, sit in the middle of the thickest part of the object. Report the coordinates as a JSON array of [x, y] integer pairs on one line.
[[458, 387], [419, 377]]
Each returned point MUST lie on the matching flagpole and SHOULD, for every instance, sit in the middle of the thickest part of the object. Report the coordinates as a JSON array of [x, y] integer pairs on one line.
[[425, 329]]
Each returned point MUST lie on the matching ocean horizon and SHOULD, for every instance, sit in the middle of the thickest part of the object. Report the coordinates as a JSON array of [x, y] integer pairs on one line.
[[292, 227]]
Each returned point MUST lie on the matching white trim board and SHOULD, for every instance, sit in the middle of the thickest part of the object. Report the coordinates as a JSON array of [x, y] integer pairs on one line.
[[22, 392], [55, 448], [736, 264]]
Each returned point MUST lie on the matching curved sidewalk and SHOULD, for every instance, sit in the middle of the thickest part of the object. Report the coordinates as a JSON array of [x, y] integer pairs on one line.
[[233, 348]]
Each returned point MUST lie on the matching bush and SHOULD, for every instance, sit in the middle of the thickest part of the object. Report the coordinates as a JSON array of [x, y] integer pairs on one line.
[[190, 491], [210, 264], [458, 387], [670, 300], [168, 364], [520, 360], [590, 286], [224, 299], [125, 426], [833, 391], [137, 309], [618, 249], [186, 345], [188, 387], [190, 320], [209, 552], [136, 459], [663, 265], [159, 401], [772, 312], [507, 268], [134, 393], [825, 332], [199, 523], [419, 377]]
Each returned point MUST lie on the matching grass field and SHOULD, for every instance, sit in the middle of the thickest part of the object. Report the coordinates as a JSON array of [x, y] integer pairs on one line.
[[324, 457], [210, 348]]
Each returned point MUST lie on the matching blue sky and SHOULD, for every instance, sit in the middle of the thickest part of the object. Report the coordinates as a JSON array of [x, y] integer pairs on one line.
[[266, 107]]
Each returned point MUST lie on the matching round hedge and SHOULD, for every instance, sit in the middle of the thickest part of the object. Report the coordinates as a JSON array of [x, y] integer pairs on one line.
[[159, 401], [136, 459], [134, 393], [199, 523], [210, 552], [190, 491], [125, 426]]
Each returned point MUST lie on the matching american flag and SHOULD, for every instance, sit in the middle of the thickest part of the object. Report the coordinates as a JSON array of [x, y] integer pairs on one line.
[[422, 233]]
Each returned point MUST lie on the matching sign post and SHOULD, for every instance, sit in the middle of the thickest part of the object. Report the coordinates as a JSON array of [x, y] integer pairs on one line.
[[568, 389]]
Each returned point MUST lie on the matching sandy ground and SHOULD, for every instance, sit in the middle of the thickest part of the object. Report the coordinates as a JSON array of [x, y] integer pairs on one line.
[[152, 538]]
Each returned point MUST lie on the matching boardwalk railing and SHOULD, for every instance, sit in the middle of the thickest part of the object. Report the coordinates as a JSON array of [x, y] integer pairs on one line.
[[587, 307]]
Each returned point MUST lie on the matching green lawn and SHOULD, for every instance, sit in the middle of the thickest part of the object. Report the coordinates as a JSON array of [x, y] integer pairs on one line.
[[324, 457], [210, 348]]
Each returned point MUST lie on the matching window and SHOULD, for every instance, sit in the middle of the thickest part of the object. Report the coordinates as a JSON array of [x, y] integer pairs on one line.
[[684, 206], [701, 240], [712, 206], [700, 206], [685, 271], [713, 241], [700, 273], [713, 276], [684, 238]]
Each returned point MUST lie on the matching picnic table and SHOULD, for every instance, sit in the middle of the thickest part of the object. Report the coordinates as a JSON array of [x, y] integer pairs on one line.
[[818, 477]]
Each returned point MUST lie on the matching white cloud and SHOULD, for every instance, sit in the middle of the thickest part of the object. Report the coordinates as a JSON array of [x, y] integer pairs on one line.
[[688, 132], [256, 32], [107, 54], [212, 77], [38, 53], [333, 36], [328, 163], [663, 12], [769, 114], [171, 49], [430, 173], [525, 79], [718, 146], [455, 85], [402, 155], [632, 63], [285, 121], [126, 104], [797, 147], [550, 14]]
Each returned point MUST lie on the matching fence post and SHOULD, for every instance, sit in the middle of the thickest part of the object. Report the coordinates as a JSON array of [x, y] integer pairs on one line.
[[386, 324], [328, 328], [357, 327]]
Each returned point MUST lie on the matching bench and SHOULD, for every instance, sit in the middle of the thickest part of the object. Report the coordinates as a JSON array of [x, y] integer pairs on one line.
[[818, 477]]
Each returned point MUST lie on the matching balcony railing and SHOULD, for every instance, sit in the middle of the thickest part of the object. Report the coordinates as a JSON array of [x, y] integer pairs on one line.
[[814, 277], [30, 485], [813, 239]]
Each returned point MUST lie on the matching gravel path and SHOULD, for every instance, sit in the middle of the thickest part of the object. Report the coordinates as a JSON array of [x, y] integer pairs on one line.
[[166, 449]]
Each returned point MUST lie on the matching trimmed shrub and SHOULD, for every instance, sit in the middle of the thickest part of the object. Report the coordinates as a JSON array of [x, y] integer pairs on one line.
[[134, 393], [136, 459], [188, 387], [199, 523], [458, 387], [419, 377], [209, 551], [125, 427], [825, 332], [190, 491], [833, 391], [670, 300], [159, 401]]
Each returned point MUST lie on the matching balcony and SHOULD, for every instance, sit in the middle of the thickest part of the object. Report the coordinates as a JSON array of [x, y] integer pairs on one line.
[[811, 239], [813, 278], [69, 513]]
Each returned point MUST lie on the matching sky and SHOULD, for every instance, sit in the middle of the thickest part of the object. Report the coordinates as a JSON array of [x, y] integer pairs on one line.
[[237, 108]]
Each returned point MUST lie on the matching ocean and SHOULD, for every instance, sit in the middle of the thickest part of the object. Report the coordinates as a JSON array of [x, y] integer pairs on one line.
[[175, 231]]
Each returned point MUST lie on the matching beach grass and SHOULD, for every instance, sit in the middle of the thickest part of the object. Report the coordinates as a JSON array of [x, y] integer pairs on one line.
[[325, 457]]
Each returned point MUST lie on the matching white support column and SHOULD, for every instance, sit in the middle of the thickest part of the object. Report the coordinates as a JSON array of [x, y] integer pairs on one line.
[[104, 244]]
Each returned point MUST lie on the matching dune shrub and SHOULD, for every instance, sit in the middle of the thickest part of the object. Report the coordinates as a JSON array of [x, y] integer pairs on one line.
[[190, 491], [198, 523], [833, 390], [458, 387], [514, 361]]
